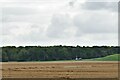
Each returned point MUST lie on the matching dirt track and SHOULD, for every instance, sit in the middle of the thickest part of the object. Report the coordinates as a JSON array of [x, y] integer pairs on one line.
[[76, 69]]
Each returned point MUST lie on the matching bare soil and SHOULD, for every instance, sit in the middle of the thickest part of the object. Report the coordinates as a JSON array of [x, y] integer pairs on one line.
[[67, 69]]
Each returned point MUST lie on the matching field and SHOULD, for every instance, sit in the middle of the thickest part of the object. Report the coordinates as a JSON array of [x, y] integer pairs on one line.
[[114, 57], [61, 69]]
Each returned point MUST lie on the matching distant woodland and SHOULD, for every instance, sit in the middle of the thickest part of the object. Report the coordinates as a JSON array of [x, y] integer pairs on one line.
[[53, 53]]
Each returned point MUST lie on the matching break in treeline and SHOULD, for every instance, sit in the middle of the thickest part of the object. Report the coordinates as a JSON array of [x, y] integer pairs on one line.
[[51, 53]]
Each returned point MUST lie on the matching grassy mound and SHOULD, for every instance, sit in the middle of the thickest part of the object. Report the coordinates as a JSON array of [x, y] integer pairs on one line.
[[107, 58]]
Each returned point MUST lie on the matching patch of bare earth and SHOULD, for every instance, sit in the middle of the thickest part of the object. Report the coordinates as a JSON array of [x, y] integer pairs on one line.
[[76, 69]]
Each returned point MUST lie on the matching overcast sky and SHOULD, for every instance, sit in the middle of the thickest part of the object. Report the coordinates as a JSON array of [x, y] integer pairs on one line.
[[58, 22]]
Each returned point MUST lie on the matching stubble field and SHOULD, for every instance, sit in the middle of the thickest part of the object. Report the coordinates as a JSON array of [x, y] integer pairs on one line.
[[68, 69]]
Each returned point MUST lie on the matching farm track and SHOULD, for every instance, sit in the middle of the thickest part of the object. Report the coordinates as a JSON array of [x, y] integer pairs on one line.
[[74, 70]]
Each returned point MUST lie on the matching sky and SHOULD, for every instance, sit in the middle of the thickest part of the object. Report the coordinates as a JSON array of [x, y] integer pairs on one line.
[[58, 22]]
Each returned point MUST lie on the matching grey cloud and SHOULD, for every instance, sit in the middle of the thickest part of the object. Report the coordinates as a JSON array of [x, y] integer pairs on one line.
[[35, 16], [17, 14], [32, 34], [7, 30], [94, 5], [59, 27], [111, 6], [18, 11], [86, 23], [95, 23], [66, 27], [72, 3], [36, 34]]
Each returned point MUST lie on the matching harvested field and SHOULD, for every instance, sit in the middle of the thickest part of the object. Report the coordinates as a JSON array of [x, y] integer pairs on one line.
[[73, 69]]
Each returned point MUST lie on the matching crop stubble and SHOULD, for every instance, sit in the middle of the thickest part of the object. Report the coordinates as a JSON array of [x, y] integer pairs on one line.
[[73, 69]]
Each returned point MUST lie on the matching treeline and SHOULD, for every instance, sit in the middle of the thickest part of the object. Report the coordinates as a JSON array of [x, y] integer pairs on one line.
[[48, 53]]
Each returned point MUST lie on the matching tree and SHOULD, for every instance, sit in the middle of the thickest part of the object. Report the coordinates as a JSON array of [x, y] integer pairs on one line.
[[23, 55]]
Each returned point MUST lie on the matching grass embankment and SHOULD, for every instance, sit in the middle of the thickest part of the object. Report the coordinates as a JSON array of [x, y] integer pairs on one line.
[[114, 57]]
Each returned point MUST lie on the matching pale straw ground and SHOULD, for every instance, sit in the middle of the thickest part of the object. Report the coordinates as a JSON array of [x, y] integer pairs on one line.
[[61, 69]]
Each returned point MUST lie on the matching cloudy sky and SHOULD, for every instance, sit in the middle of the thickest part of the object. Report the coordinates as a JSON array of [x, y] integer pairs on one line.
[[58, 22]]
